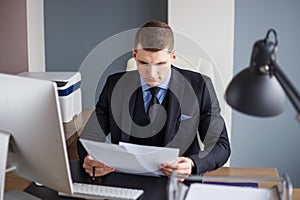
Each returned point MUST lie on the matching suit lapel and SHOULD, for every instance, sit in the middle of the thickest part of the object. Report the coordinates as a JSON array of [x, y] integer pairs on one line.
[[176, 87], [181, 128], [133, 82]]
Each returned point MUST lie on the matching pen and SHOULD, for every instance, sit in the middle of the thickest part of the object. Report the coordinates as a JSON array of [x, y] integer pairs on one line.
[[93, 178]]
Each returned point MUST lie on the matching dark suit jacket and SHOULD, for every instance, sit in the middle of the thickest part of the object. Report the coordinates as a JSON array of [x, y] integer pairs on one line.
[[192, 107]]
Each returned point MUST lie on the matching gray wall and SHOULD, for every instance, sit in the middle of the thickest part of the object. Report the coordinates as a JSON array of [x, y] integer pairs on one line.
[[268, 142], [74, 27]]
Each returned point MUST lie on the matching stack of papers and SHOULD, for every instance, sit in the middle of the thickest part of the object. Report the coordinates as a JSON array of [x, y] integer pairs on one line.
[[216, 192], [131, 158]]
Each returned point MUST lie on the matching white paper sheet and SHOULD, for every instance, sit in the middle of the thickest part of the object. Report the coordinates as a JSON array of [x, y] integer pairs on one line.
[[131, 158], [216, 192]]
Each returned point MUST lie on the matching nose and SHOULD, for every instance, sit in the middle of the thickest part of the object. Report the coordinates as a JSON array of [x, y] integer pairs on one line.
[[152, 70]]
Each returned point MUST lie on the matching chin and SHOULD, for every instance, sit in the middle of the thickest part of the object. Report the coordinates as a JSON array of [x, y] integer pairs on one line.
[[153, 84]]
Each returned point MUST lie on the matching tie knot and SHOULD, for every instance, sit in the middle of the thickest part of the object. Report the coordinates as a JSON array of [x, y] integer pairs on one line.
[[154, 91]]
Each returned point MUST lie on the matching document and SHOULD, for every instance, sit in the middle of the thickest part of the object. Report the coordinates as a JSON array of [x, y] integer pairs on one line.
[[131, 158], [216, 192]]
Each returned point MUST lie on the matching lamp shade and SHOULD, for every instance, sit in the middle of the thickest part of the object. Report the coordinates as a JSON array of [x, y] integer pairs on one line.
[[255, 94], [255, 90], [260, 89]]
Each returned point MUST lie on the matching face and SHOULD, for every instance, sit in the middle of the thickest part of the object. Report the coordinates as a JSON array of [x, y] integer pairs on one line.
[[153, 67]]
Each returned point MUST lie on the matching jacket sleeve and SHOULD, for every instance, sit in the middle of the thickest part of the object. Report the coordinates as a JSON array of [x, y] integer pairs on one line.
[[97, 126], [82, 153], [212, 132]]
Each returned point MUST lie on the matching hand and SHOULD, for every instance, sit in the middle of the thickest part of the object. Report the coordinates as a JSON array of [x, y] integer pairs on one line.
[[183, 167], [100, 168]]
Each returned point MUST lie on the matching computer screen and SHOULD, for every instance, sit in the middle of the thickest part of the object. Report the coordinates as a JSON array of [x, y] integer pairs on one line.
[[30, 112]]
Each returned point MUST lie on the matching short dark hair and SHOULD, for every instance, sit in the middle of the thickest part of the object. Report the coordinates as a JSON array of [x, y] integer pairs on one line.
[[154, 36]]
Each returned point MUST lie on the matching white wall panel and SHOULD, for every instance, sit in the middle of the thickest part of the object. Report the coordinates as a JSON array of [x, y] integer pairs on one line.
[[210, 25], [35, 35]]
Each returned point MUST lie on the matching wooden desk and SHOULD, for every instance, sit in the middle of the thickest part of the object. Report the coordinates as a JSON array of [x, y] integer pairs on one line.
[[296, 193], [74, 128], [256, 173], [154, 187], [72, 131], [248, 173]]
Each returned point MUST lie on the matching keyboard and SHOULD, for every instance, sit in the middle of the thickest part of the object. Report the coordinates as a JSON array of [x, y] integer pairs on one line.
[[89, 191]]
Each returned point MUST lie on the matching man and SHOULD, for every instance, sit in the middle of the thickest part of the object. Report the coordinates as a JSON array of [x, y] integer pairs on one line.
[[161, 105]]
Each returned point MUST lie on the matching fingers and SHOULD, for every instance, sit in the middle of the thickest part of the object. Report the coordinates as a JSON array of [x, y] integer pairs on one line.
[[100, 168], [103, 171], [179, 171], [182, 167]]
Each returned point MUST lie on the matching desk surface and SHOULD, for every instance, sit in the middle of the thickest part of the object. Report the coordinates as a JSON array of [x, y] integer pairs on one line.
[[249, 172], [73, 128], [154, 188], [253, 172], [148, 184]]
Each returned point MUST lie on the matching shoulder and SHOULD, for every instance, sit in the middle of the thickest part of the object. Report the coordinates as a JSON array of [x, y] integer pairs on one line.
[[122, 80], [196, 79], [117, 76]]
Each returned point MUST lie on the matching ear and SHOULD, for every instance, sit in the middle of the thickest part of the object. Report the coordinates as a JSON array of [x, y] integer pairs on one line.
[[173, 56], [134, 52]]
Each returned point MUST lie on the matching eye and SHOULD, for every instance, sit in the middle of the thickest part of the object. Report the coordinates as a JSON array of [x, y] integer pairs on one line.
[[161, 63], [142, 62]]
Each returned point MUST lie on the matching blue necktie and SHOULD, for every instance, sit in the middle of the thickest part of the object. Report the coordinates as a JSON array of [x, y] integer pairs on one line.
[[154, 100]]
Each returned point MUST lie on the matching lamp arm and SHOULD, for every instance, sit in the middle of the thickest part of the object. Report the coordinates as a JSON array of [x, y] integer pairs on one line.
[[289, 89]]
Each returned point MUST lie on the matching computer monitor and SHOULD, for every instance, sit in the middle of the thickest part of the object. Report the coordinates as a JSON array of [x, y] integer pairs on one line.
[[4, 141], [30, 112]]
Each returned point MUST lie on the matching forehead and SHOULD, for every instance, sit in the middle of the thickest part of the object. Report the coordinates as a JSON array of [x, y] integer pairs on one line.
[[145, 55]]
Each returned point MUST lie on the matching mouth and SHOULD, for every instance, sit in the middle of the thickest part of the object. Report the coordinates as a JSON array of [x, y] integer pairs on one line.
[[151, 81]]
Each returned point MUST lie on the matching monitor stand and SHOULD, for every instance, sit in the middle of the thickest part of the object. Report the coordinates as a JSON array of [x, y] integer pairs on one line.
[[13, 194]]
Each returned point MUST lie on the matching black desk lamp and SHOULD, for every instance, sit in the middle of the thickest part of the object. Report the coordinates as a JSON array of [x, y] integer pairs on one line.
[[259, 89]]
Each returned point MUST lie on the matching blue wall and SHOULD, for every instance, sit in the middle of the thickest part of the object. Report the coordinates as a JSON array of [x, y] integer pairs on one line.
[[268, 142]]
